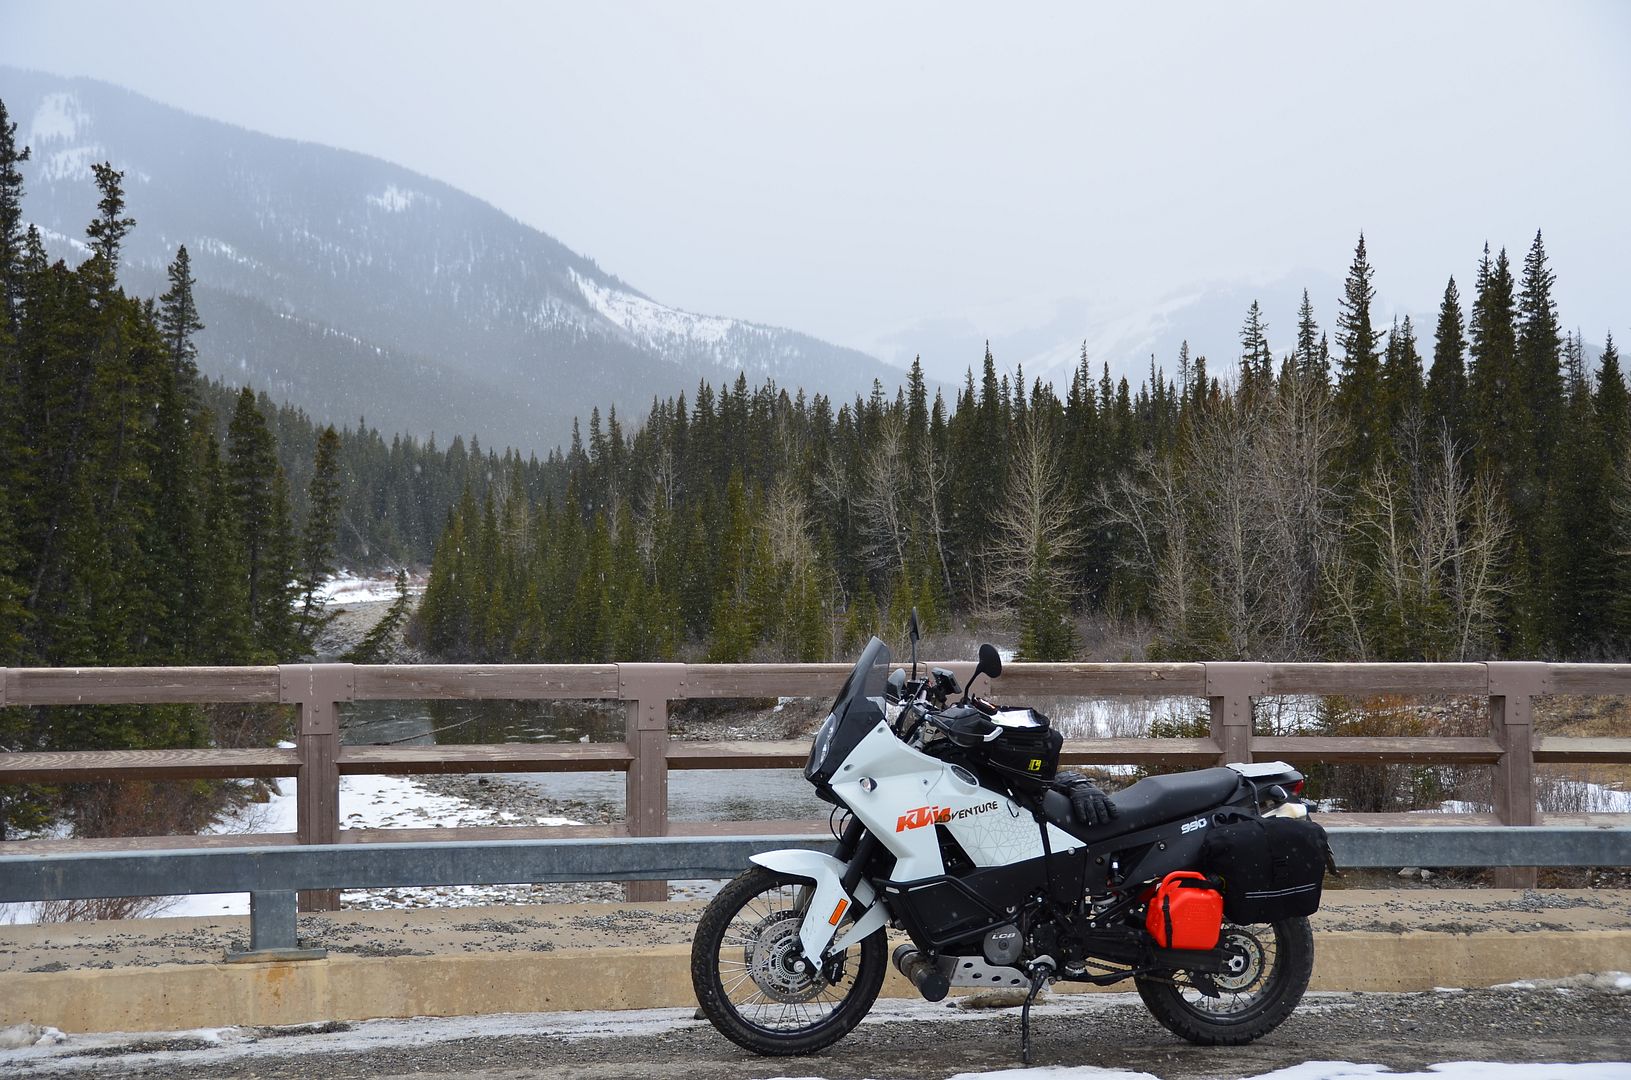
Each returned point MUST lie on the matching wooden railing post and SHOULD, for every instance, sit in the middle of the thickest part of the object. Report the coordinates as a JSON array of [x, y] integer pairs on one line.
[[648, 688], [317, 689], [1513, 686], [1230, 688]]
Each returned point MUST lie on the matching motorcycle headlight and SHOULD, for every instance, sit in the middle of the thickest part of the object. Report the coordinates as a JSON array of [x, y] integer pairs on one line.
[[823, 743]]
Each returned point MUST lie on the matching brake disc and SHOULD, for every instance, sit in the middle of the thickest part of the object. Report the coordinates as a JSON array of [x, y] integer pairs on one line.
[[1246, 964], [775, 960]]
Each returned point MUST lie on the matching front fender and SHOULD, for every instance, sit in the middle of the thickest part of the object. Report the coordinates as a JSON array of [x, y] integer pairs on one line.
[[822, 916]]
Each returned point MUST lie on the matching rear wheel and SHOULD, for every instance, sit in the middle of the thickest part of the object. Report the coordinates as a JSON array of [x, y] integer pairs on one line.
[[752, 982], [1270, 965]]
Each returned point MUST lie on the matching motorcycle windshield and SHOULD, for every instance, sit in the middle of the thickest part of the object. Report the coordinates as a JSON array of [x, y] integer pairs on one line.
[[855, 711]]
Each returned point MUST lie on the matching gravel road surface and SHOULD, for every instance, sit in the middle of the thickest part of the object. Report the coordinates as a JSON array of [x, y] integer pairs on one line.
[[907, 1039]]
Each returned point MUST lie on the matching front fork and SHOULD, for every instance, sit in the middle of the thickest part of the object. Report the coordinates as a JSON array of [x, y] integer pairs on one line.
[[839, 889]]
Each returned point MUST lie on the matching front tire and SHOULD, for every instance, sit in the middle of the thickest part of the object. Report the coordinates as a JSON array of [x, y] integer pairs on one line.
[[1277, 960], [744, 968]]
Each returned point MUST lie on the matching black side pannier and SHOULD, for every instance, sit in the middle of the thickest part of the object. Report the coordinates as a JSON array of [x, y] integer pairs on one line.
[[1272, 868], [1027, 754]]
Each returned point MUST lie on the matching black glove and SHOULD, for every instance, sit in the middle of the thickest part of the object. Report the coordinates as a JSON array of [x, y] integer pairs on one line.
[[1090, 805]]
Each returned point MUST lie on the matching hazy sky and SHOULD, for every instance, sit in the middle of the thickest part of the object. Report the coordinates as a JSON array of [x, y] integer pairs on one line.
[[852, 169]]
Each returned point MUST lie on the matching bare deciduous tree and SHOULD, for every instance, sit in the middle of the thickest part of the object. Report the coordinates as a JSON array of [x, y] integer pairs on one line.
[[1235, 527], [1035, 539], [1428, 545], [789, 529], [933, 482], [881, 498]]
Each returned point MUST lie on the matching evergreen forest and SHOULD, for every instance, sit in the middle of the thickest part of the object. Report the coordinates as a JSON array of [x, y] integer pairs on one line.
[[1368, 493]]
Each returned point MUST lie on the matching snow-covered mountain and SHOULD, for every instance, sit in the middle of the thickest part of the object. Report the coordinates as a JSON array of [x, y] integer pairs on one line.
[[354, 287]]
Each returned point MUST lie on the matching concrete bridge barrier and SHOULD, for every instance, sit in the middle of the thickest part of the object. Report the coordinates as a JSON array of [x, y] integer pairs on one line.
[[167, 974]]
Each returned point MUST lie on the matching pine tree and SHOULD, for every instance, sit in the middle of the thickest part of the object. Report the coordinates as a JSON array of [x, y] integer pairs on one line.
[[1311, 360], [1256, 359], [1539, 358], [1401, 380], [1576, 555], [260, 500], [179, 321], [13, 614], [317, 538], [11, 219], [1359, 385], [223, 613], [13, 453], [1613, 408], [1446, 395], [108, 229], [1613, 415], [1494, 383]]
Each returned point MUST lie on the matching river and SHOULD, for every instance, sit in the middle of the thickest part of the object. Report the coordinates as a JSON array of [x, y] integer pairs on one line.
[[694, 794]]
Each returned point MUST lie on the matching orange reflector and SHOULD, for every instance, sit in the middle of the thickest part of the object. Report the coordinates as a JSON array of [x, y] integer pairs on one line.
[[838, 912]]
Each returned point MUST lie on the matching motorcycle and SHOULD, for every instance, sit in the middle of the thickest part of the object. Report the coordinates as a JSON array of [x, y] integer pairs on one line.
[[955, 833]]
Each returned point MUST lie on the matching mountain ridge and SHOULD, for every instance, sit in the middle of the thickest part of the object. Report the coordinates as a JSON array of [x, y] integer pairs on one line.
[[353, 286]]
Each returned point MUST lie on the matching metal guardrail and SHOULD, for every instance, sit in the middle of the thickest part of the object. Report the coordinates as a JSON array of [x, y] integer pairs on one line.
[[272, 876]]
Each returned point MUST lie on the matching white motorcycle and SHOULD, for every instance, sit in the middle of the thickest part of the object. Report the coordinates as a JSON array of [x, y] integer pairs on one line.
[[960, 835]]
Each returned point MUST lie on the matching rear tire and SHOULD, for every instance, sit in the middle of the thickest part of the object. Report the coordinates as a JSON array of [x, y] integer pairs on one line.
[[744, 969], [1278, 960]]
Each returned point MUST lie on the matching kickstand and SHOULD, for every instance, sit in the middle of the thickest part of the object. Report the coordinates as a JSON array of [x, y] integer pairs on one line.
[[1039, 976]]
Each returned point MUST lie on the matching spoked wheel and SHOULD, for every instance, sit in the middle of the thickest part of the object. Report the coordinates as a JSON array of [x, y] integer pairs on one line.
[[753, 983], [1269, 966]]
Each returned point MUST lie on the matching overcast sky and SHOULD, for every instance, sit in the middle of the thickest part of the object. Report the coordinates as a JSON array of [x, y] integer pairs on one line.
[[853, 169]]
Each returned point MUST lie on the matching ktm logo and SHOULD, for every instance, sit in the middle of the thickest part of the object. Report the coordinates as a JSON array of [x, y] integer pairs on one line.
[[923, 815], [938, 815]]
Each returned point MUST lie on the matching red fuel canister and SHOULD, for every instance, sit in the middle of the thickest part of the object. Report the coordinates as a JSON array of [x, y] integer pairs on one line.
[[1186, 911]]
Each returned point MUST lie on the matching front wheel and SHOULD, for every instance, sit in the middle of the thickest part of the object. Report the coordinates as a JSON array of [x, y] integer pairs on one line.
[[1270, 964], [748, 971]]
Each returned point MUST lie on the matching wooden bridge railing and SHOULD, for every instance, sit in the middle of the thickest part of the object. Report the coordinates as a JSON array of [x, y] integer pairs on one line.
[[647, 752]]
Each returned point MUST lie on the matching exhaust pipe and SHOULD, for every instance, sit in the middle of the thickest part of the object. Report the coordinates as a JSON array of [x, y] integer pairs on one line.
[[921, 972]]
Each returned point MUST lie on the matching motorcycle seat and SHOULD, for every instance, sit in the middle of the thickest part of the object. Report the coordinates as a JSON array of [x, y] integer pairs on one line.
[[1149, 802]]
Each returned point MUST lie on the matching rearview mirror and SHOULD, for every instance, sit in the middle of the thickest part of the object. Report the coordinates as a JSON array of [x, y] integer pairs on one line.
[[990, 662], [913, 633]]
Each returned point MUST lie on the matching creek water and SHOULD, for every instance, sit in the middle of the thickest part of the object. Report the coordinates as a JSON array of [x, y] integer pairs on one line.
[[693, 794]]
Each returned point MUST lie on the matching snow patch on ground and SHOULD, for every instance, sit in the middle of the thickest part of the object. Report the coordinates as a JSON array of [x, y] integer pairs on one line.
[[1069, 1072], [1608, 982], [1449, 1070], [58, 119], [56, 240], [352, 589], [651, 322], [1591, 799], [74, 163], [21, 1035], [220, 248], [394, 200], [366, 802]]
